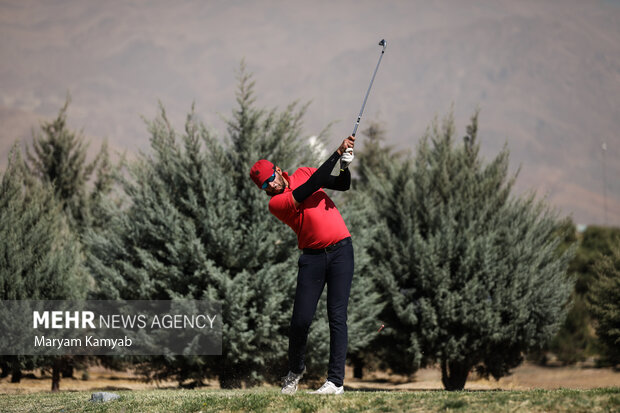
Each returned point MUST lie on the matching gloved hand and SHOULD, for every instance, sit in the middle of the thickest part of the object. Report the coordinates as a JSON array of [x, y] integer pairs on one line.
[[346, 158]]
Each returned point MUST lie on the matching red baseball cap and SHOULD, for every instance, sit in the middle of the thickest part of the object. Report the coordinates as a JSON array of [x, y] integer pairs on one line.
[[261, 170]]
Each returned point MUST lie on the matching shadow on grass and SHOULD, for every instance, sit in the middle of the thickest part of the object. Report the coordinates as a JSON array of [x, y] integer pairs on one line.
[[110, 388], [388, 381], [415, 390]]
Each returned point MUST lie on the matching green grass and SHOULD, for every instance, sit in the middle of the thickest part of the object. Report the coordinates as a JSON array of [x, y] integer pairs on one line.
[[269, 400]]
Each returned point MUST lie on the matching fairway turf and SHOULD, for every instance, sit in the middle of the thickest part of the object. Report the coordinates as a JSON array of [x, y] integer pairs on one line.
[[269, 400]]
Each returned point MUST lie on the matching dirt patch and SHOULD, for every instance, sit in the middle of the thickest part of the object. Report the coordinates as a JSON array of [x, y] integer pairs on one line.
[[524, 377], [100, 379]]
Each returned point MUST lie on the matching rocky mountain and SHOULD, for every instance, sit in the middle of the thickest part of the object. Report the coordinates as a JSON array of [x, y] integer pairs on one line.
[[545, 75]]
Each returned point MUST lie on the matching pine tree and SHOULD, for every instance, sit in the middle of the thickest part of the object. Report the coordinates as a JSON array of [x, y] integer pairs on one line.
[[574, 336], [375, 157], [373, 160], [390, 188], [365, 304], [39, 255], [60, 159], [604, 303], [378, 168], [471, 275], [576, 339]]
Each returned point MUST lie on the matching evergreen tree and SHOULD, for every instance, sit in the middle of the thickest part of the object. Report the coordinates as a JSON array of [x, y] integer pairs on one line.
[[39, 255], [196, 226], [604, 302], [373, 160], [574, 335], [364, 302], [375, 157], [60, 159], [471, 275], [379, 170], [595, 241], [575, 340], [390, 188], [186, 235]]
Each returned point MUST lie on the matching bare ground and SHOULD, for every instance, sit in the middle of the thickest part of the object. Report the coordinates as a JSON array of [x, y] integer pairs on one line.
[[524, 377]]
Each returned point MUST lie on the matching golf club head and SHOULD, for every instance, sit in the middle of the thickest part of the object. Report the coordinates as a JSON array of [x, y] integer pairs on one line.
[[383, 43]]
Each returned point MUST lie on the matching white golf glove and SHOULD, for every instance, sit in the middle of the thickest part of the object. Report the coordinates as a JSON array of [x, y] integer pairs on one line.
[[346, 158]]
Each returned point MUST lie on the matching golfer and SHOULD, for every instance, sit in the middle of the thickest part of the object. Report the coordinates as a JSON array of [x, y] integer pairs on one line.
[[327, 258]]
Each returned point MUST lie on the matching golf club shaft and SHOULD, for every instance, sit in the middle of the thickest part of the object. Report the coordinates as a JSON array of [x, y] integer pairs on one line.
[[359, 117]]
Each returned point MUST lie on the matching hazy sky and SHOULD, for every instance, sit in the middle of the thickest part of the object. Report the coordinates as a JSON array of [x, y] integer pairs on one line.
[[545, 74]]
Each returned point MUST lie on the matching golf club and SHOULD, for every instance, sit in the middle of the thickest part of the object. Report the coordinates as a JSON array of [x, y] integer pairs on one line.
[[359, 117]]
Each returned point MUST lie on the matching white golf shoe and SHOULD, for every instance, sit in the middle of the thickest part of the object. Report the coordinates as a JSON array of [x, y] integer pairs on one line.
[[329, 388], [291, 380]]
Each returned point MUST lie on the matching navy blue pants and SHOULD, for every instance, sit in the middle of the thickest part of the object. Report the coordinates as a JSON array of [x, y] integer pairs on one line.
[[334, 268]]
